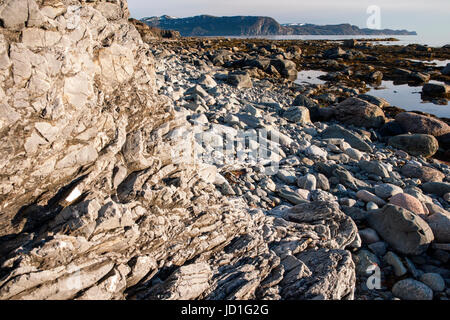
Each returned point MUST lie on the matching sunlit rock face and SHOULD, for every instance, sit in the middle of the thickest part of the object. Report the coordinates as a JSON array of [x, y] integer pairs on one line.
[[93, 205]]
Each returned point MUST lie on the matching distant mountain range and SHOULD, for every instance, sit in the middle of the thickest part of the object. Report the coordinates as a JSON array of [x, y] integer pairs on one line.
[[206, 25]]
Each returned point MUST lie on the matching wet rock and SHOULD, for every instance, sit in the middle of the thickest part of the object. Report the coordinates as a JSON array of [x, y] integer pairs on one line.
[[446, 70], [406, 232], [376, 77], [416, 144], [350, 43], [374, 167], [436, 90], [410, 289]]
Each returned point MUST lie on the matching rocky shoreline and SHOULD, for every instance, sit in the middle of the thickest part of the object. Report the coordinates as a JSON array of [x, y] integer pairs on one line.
[[198, 169], [334, 152]]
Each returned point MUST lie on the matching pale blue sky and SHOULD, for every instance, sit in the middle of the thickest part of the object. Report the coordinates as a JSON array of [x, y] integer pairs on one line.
[[429, 18]]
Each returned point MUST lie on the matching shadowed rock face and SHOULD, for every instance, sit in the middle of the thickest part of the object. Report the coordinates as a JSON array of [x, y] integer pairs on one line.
[[93, 205]]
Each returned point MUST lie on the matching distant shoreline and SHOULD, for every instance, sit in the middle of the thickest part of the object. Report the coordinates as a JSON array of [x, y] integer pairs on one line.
[[206, 25]]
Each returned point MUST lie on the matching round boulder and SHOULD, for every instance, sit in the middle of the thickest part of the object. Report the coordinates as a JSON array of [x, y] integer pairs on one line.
[[408, 202], [417, 123], [405, 231], [410, 289], [416, 144]]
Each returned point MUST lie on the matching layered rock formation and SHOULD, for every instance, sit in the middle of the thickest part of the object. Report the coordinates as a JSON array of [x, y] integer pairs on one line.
[[95, 203]]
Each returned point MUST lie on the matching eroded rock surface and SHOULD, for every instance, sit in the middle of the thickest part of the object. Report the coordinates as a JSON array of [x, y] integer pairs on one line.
[[94, 200]]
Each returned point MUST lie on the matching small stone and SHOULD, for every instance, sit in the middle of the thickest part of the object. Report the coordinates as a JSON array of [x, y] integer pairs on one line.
[[316, 151], [370, 197], [393, 260], [410, 289], [434, 281], [387, 190], [447, 197], [307, 182], [439, 222], [412, 268], [354, 154], [371, 206], [286, 176], [207, 81], [363, 260], [347, 202], [297, 114], [369, 236], [379, 248], [268, 184], [322, 182]]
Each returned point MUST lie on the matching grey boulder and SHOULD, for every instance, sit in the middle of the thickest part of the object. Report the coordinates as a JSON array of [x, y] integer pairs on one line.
[[405, 231]]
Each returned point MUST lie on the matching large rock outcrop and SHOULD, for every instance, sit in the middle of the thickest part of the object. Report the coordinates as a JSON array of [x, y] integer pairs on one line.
[[97, 202]]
